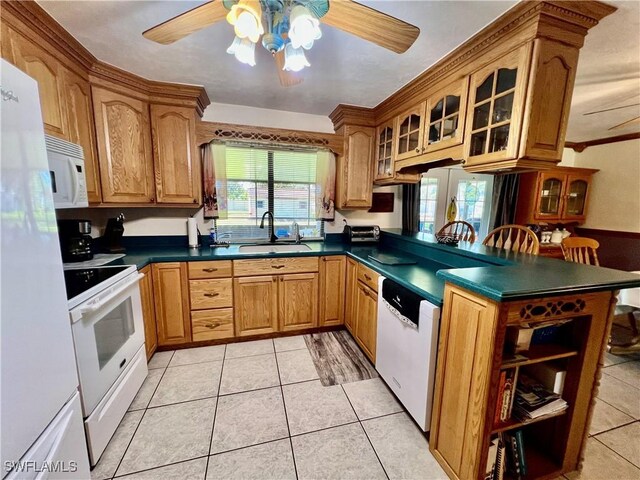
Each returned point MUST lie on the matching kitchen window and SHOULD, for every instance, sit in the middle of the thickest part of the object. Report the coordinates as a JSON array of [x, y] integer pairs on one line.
[[268, 179]]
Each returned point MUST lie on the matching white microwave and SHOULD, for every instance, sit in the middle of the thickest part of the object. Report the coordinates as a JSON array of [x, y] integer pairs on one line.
[[66, 167]]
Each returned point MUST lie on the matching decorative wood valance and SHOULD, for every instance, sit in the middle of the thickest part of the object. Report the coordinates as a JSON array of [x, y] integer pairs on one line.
[[208, 131]]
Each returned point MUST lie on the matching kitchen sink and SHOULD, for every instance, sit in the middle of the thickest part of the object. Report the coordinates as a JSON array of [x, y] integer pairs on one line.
[[270, 248]]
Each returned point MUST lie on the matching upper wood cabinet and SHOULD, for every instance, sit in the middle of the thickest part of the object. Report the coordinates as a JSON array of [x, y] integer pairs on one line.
[[171, 298], [354, 177], [148, 311], [385, 151], [446, 109], [256, 305], [176, 158], [409, 132], [124, 147], [47, 71], [332, 290], [555, 195], [80, 126], [298, 301]]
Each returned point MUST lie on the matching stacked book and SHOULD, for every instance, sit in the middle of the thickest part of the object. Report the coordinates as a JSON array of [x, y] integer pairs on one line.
[[533, 400], [506, 455]]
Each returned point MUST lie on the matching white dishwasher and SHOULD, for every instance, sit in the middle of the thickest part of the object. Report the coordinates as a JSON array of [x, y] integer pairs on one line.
[[407, 346]]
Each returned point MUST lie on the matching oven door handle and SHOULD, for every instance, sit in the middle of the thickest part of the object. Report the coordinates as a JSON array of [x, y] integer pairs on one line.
[[94, 307]]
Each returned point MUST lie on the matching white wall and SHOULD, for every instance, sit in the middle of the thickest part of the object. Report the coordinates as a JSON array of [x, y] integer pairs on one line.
[[263, 117], [614, 199]]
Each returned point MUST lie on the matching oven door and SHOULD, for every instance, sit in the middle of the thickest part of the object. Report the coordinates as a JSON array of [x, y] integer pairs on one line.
[[107, 332]]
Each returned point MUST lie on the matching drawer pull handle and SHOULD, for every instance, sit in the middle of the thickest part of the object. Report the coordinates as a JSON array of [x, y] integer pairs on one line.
[[212, 325], [366, 293], [277, 267], [209, 270], [367, 277], [211, 295]]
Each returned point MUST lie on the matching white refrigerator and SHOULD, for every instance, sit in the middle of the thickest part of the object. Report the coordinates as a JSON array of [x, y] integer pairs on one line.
[[42, 434]]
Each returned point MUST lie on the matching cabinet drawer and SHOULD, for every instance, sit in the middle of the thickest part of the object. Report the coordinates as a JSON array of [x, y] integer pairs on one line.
[[368, 277], [273, 266], [216, 269], [211, 293], [212, 324]]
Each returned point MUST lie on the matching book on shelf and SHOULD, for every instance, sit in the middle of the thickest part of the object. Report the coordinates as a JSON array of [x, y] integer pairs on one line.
[[500, 459], [549, 374], [506, 391], [516, 462], [492, 457], [533, 400]]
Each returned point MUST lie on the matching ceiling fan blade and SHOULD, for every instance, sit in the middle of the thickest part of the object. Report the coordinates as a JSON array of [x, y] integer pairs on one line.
[[371, 25], [187, 23], [611, 109], [628, 123], [287, 79]]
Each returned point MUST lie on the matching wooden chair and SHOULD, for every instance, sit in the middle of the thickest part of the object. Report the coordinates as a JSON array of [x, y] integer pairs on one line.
[[513, 237], [580, 250], [463, 230]]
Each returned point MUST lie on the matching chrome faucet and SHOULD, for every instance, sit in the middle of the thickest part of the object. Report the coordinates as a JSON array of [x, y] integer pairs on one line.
[[272, 235], [296, 232]]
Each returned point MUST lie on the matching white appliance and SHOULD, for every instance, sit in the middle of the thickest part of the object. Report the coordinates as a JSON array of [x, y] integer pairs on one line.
[[40, 416], [66, 167], [407, 346], [108, 335]]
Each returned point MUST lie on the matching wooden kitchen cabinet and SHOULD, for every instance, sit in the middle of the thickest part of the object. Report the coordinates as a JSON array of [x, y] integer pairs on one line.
[[409, 132], [80, 127], [554, 196], [332, 290], [214, 324], [385, 151], [445, 116], [175, 155], [350, 297], [354, 176], [171, 298], [124, 147], [298, 301], [148, 312], [256, 305], [366, 320]]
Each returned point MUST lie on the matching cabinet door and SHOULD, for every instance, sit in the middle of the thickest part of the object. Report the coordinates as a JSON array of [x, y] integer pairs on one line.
[[496, 106], [176, 160], [350, 301], [48, 72], [410, 132], [256, 305], [81, 131], [356, 168], [549, 200], [298, 298], [385, 151], [332, 290], [367, 320], [171, 298], [444, 124], [148, 312], [576, 191], [124, 147]]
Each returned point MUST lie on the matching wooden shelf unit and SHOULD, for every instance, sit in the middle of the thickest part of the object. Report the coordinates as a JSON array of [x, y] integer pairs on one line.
[[541, 353], [514, 423]]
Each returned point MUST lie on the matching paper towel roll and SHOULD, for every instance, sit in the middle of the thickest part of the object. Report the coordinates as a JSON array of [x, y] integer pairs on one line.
[[192, 232]]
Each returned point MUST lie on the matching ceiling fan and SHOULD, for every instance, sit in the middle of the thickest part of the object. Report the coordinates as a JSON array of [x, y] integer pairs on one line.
[[627, 123], [292, 26]]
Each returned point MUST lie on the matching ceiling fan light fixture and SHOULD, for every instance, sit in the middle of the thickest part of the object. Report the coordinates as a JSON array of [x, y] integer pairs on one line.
[[304, 27], [294, 59], [244, 50], [246, 18]]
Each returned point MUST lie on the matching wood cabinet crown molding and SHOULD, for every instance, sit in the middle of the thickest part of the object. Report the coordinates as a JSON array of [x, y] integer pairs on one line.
[[352, 115]]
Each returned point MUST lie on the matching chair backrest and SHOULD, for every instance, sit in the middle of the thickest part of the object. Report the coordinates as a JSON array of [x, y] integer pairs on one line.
[[513, 237], [580, 250], [463, 230]]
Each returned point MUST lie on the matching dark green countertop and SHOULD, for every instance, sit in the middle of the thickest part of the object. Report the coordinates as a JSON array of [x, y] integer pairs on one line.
[[493, 273]]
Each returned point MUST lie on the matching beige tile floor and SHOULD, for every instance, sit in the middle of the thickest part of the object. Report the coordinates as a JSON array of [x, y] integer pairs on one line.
[[257, 410]]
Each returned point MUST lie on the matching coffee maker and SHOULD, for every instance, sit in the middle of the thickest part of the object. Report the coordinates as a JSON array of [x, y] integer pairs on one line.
[[75, 242]]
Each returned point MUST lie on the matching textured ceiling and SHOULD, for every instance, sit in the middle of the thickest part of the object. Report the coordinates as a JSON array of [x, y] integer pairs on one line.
[[344, 68]]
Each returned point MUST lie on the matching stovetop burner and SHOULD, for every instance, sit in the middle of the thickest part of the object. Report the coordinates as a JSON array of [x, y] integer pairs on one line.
[[82, 279]]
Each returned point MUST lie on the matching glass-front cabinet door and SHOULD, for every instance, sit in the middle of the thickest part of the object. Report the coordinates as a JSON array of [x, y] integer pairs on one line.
[[409, 132], [496, 101], [550, 192], [445, 117], [575, 197], [385, 152]]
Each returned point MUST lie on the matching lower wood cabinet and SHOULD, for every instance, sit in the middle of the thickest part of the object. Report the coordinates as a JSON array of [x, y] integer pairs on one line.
[[332, 290], [171, 295], [212, 324], [350, 300], [298, 300], [148, 312], [366, 319], [256, 305]]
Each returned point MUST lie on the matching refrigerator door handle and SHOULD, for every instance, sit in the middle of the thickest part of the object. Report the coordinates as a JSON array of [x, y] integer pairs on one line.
[[61, 433], [76, 181]]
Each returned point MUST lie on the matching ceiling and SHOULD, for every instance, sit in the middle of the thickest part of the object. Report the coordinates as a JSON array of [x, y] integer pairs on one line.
[[344, 68]]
